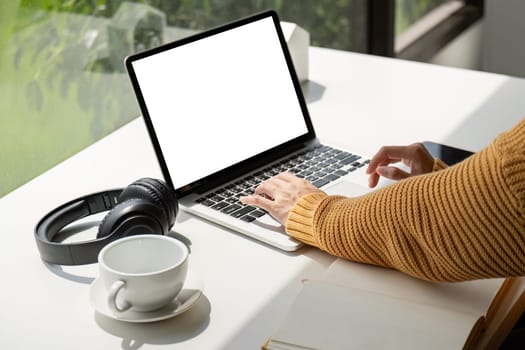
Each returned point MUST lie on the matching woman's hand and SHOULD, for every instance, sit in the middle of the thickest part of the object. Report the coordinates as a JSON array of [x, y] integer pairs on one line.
[[415, 156], [279, 194]]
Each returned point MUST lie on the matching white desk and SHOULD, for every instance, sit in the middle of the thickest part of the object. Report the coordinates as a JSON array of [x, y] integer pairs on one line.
[[357, 101]]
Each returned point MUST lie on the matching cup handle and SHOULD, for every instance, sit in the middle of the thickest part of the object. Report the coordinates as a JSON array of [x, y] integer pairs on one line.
[[112, 297]]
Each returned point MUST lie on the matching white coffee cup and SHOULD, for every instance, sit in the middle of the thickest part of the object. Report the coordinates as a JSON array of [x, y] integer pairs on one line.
[[145, 272]]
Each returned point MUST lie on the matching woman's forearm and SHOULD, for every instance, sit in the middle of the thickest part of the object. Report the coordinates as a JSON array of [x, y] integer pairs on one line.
[[461, 223]]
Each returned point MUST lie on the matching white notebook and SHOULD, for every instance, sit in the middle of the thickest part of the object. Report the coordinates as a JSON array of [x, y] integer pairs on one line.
[[357, 306]]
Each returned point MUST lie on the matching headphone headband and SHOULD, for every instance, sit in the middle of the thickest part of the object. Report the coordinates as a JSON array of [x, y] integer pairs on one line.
[[74, 253]]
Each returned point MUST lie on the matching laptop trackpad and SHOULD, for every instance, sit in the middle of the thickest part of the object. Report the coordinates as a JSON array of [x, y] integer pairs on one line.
[[348, 189]]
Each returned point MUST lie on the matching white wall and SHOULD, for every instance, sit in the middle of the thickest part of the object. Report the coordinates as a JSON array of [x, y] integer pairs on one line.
[[464, 51], [494, 44], [504, 37]]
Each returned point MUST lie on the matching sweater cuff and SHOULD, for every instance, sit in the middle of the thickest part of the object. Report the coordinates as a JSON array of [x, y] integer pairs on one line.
[[439, 165], [299, 223]]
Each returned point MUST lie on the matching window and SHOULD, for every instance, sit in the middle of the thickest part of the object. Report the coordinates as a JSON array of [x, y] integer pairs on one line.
[[423, 27], [62, 81], [409, 12], [63, 84]]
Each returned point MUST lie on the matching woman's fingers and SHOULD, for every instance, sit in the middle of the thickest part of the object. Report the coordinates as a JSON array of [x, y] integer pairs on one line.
[[392, 172], [387, 155], [271, 186], [279, 194], [415, 156], [258, 201]]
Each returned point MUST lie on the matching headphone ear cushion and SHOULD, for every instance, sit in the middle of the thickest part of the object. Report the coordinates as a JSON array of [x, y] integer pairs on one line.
[[167, 196], [134, 216], [156, 191]]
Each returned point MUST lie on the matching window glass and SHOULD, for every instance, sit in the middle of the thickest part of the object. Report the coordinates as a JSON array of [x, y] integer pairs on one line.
[[410, 11], [62, 81]]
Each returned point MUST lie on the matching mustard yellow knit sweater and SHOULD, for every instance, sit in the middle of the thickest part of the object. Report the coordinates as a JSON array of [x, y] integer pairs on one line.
[[459, 223]]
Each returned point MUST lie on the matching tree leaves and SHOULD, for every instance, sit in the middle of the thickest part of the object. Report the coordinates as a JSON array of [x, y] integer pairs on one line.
[[34, 96]]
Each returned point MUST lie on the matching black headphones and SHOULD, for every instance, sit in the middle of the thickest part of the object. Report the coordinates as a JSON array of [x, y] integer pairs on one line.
[[146, 206]]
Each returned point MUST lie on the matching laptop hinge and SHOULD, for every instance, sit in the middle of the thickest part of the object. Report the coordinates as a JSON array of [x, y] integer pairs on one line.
[[229, 174]]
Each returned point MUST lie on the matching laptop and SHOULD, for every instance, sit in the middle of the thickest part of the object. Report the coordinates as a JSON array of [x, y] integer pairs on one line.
[[225, 111]]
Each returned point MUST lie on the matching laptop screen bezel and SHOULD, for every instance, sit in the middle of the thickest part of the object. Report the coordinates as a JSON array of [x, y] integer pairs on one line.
[[247, 165]]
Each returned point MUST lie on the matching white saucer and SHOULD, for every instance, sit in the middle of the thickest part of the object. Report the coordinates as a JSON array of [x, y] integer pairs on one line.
[[188, 297]]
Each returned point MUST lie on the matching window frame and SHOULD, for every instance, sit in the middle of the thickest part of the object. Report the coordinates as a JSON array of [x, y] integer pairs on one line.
[[382, 36]]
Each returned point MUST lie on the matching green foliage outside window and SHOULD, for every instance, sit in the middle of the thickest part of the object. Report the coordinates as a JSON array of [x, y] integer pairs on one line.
[[409, 11]]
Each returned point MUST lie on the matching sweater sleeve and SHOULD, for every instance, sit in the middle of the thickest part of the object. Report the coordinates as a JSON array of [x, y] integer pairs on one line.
[[460, 223]]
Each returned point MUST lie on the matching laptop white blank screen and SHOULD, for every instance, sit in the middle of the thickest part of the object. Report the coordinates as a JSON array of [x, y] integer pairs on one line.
[[220, 100]]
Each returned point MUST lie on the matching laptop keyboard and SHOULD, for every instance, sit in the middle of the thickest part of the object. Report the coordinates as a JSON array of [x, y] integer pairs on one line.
[[320, 166]]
